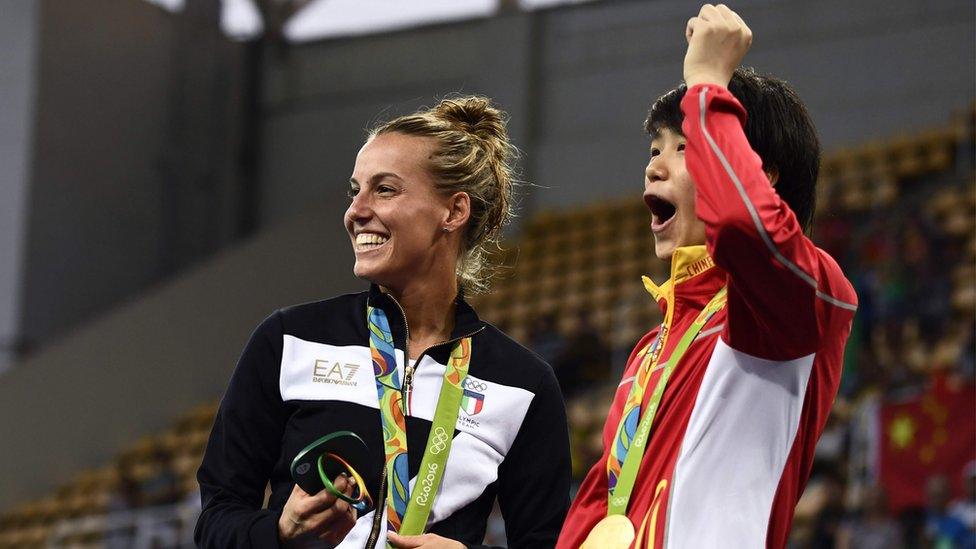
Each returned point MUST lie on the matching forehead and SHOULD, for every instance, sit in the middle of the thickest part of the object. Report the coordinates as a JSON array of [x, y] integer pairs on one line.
[[404, 155], [666, 135]]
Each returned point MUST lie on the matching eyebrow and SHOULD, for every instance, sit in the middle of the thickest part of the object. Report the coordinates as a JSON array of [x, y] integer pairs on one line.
[[678, 137], [377, 177]]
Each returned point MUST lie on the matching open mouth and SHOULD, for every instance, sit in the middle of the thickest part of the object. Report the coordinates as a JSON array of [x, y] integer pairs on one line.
[[662, 211], [369, 241]]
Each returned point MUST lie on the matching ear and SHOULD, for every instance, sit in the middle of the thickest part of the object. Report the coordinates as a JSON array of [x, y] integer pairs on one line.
[[772, 174], [459, 211]]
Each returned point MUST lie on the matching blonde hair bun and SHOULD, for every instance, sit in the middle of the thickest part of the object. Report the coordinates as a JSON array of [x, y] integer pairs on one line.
[[473, 154], [474, 114]]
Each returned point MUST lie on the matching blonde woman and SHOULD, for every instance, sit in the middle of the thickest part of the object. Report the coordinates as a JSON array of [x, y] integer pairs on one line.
[[429, 193]]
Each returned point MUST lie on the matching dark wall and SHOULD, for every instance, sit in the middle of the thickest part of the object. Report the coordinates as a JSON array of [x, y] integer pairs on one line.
[[322, 97], [578, 81], [18, 34], [132, 168]]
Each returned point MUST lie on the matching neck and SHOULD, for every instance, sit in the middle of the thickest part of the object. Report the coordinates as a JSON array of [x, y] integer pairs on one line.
[[429, 308]]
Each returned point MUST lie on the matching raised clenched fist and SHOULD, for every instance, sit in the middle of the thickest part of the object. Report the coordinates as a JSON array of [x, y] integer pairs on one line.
[[718, 39]]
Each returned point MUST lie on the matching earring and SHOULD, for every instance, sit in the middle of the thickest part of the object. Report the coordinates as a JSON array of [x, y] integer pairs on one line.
[[445, 229]]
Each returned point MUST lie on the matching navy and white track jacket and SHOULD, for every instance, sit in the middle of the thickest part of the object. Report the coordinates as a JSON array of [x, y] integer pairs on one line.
[[307, 371]]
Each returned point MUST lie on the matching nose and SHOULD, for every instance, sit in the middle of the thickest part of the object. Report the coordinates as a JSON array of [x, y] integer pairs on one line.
[[358, 210], [656, 170]]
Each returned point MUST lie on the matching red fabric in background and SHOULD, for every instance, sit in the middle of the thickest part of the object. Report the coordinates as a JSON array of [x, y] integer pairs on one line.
[[932, 434]]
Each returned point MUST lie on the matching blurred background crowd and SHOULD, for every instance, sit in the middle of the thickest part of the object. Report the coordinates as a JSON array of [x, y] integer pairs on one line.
[[171, 172]]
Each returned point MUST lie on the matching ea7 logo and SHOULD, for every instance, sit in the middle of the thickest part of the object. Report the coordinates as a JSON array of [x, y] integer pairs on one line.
[[326, 371]]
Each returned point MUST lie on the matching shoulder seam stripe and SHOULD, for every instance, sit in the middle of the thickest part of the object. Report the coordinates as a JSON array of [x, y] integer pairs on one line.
[[755, 215], [709, 332]]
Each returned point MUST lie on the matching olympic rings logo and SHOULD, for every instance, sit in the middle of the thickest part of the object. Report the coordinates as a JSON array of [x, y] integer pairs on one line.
[[474, 385], [439, 442]]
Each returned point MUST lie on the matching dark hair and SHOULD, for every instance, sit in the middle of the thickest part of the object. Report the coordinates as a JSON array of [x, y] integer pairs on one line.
[[778, 128]]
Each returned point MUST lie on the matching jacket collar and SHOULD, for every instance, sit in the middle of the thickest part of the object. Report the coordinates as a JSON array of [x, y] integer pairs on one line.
[[466, 320], [694, 279]]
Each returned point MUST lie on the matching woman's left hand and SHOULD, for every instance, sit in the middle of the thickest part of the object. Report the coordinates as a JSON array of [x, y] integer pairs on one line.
[[426, 541]]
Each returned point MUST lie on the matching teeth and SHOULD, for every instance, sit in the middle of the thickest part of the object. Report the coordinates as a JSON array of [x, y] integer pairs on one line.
[[369, 238]]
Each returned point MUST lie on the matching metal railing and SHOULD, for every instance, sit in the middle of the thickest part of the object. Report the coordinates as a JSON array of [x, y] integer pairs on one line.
[[163, 527]]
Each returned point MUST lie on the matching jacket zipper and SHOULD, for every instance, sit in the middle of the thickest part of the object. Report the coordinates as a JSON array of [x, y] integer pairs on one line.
[[408, 379], [408, 370], [378, 512]]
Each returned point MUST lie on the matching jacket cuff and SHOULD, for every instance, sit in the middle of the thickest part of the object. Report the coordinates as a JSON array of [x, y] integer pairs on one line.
[[264, 531]]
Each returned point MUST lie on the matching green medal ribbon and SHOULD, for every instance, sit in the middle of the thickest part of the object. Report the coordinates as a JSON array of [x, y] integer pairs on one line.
[[620, 497], [407, 512], [438, 441]]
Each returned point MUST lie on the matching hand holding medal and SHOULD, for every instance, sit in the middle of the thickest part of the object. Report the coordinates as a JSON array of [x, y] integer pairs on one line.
[[323, 517], [332, 457], [329, 490]]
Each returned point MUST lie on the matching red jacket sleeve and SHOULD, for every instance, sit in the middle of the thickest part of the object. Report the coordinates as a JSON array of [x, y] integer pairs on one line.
[[781, 286]]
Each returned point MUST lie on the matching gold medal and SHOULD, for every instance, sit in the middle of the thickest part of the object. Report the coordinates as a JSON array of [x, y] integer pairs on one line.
[[613, 532]]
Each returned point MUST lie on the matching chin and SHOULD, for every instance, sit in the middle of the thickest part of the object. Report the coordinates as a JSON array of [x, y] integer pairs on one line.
[[664, 250], [376, 274], [365, 271]]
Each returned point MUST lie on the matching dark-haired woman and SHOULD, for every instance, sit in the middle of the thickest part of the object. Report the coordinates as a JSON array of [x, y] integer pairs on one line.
[[429, 192]]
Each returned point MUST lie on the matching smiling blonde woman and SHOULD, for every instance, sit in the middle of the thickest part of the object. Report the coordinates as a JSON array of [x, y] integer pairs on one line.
[[454, 413]]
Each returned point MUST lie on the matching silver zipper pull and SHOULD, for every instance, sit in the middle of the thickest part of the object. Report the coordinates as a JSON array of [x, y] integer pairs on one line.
[[408, 375], [407, 386]]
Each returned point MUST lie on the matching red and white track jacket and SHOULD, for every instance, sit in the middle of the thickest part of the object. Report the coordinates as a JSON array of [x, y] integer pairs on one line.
[[733, 441]]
